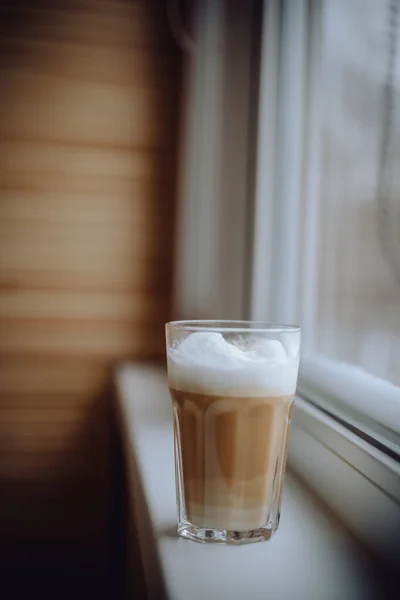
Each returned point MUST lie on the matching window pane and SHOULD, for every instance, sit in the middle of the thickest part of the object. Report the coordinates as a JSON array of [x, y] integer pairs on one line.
[[357, 316]]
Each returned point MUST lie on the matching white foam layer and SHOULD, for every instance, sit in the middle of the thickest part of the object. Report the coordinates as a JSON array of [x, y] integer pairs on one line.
[[204, 362]]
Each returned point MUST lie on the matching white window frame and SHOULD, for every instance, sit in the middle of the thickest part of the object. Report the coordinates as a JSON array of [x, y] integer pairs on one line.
[[357, 480], [285, 254], [342, 444]]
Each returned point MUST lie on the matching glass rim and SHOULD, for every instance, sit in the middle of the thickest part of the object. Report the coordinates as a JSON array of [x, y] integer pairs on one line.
[[232, 326]]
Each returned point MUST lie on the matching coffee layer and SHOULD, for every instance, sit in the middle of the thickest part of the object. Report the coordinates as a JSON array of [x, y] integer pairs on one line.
[[233, 455]]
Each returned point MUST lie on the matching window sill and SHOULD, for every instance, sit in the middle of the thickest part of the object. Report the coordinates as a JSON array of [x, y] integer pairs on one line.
[[310, 556], [358, 482], [369, 403]]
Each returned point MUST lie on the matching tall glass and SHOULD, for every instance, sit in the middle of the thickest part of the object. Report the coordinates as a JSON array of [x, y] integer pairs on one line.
[[232, 385]]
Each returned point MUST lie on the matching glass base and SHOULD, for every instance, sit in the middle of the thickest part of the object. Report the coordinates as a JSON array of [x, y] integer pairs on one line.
[[222, 536]]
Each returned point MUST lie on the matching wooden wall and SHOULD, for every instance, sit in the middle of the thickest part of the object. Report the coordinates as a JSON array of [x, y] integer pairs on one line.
[[88, 104]]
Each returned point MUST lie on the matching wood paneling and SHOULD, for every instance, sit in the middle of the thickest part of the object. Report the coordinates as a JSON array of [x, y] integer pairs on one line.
[[88, 103]]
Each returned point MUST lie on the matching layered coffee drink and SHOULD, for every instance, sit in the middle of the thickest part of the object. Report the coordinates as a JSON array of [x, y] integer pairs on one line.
[[232, 406]]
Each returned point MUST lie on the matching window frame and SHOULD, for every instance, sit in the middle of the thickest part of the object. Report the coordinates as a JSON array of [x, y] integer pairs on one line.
[[284, 256], [344, 448]]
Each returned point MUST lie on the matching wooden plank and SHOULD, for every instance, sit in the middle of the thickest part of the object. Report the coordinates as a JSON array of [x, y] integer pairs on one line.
[[53, 441], [98, 306], [135, 203], [51, 381], [53, 399], [26, 463], [60, 236], [40, 266], [29, 162], [59, 109], [134, 25], [92, 63], [76, 251], [72, 339], [32, 421], [149, 276]]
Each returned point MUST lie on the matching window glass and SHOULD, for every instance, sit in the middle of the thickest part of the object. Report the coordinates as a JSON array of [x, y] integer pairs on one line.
[[356, 297]]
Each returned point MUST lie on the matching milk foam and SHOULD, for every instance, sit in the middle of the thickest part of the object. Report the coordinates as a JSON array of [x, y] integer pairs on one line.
[[204, 362]]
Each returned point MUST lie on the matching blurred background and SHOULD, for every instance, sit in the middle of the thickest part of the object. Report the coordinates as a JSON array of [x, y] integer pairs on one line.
[[89, 100]]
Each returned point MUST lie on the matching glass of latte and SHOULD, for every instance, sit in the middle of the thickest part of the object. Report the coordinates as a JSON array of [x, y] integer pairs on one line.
[[232, 385]]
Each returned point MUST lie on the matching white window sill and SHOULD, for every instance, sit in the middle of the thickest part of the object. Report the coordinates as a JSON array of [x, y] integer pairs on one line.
[[309, 557], [368, 402]]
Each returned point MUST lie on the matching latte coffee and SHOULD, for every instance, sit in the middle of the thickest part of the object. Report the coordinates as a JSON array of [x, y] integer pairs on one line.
[[232, 409]]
